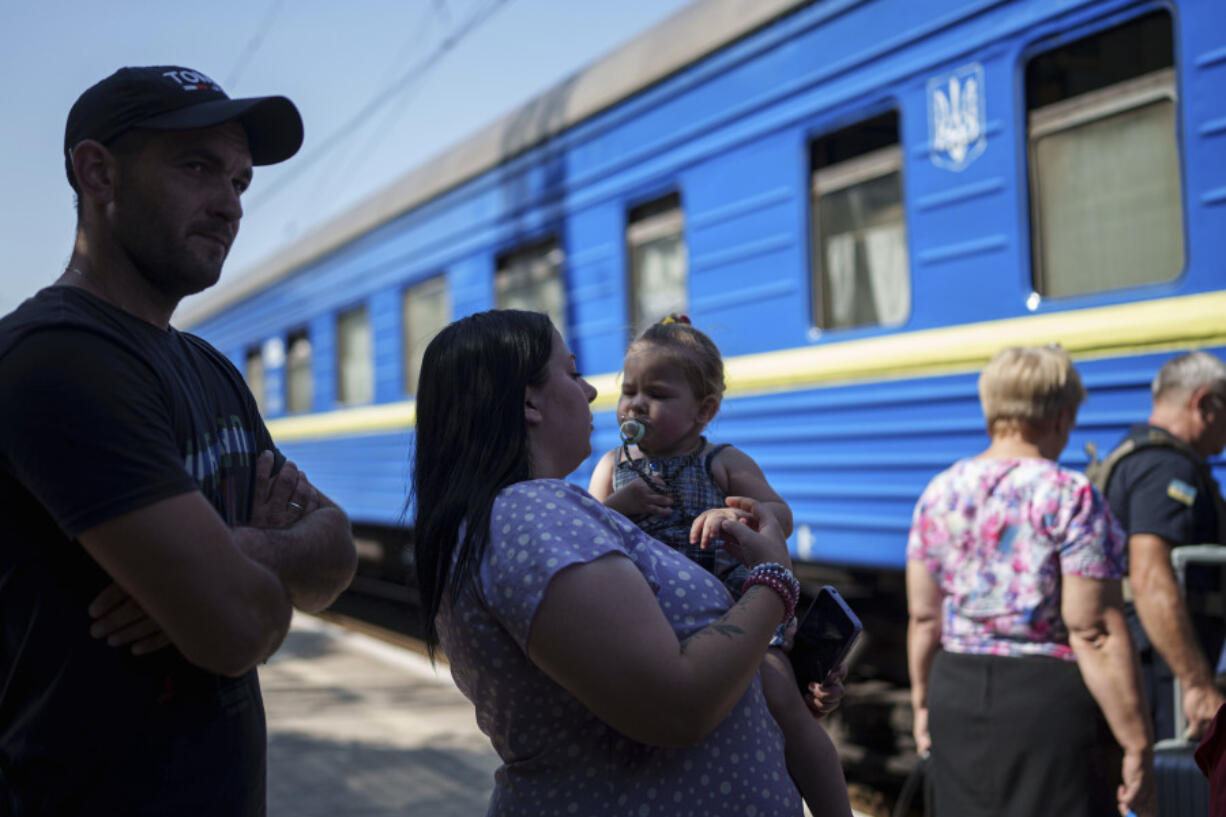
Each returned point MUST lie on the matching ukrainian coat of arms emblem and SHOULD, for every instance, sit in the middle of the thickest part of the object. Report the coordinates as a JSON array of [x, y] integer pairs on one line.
[[957, 120]]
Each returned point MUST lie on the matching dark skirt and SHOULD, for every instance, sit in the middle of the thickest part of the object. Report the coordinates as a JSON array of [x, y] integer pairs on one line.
[[1017, 737]]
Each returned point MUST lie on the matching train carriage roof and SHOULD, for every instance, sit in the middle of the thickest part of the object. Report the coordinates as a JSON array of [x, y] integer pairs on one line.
[[685, 37]]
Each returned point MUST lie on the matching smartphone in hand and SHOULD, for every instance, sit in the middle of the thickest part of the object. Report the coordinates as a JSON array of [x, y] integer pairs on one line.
[[824, 636]]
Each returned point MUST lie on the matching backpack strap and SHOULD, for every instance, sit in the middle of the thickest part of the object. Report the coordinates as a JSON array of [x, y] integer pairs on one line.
[[1099, 471]]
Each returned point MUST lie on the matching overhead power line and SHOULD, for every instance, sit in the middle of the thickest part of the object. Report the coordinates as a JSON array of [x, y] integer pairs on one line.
[[253, 45], [393, 90], [349, 157], [440, 8]]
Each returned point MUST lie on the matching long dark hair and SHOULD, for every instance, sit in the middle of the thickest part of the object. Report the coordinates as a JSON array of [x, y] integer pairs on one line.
[[471, 443]]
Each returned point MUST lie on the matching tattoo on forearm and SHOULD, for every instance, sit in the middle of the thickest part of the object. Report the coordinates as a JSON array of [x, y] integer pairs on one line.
[[721, 626], [727, 630]]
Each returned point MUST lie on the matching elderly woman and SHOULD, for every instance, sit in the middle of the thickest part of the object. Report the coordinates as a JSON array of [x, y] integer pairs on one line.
[[611, 675], [1023, 680]]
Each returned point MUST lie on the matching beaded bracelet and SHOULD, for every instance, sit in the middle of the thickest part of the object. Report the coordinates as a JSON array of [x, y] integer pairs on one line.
[[779, 579], [778, 571], [786, 590]]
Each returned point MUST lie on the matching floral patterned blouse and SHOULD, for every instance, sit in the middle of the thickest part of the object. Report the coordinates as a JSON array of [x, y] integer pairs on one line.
[[997, 536]]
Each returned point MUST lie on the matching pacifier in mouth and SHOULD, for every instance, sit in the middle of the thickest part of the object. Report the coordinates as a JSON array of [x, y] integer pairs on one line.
[[632, 431]]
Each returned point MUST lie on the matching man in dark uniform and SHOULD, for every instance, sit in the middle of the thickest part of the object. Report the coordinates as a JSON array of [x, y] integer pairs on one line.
[[1162, 490], [154, 540]]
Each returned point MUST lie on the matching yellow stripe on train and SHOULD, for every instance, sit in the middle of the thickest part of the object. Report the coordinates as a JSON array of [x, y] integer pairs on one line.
[[1168, 324]]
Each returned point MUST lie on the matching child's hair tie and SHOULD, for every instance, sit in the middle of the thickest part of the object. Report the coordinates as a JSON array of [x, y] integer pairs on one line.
[[675, 318]]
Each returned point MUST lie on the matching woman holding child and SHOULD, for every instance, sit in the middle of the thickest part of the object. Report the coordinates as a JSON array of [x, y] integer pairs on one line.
[[1023, 680], [611, 673]]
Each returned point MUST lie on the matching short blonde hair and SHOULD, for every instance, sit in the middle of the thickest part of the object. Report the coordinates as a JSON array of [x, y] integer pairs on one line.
[[1028, 386]]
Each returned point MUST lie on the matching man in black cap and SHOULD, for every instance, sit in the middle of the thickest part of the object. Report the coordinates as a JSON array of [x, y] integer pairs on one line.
[[154, 540]]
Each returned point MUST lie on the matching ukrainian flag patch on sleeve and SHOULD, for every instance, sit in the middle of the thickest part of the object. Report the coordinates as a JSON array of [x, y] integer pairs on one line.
[[1181, 491]]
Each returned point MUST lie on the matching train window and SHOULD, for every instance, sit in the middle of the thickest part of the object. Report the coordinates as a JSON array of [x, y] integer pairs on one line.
[[1105, 198], [656, 249], [531, 278], [355, 375], [861, 273], [253, 363], [300, 390], [426, 310]]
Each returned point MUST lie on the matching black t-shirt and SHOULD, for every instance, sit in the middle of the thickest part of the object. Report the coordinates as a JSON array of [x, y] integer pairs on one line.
[[1161, 491], [102, 413]]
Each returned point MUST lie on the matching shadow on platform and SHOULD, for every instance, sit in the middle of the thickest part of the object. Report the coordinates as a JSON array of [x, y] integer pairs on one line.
[[311, 777]]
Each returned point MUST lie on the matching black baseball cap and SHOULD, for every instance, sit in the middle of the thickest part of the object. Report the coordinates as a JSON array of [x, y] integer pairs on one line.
[[170, 97]]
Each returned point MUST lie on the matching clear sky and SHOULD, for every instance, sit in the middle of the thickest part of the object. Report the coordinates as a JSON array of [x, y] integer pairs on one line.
[[333, 58]]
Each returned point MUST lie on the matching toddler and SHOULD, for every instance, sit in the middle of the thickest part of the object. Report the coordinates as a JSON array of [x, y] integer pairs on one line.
[[672, 482]]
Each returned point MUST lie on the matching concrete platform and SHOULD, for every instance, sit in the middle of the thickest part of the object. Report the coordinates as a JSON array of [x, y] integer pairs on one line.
[[360, 728]]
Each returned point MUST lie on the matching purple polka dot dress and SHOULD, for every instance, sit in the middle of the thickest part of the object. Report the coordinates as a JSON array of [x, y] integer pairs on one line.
[[559, 758]]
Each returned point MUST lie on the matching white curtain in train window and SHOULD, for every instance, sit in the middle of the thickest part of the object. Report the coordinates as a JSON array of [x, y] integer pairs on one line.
[[659, 282], [354, 358], [841, 278], [299, 381], [886, 249], [532, 280], [427, 309], [254, 371], [868, 277], [864, 256], [1108, 203]]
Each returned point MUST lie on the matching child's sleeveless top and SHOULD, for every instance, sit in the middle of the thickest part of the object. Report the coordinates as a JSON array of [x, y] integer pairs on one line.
[[694, 490]]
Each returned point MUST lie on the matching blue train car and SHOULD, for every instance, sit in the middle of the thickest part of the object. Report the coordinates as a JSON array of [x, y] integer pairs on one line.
[[859, 200]]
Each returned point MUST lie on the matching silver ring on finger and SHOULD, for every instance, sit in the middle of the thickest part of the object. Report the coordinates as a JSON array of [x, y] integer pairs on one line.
[[296, 506]]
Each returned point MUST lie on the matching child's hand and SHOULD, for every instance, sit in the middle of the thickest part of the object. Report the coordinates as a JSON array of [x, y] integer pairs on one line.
[[756, 538], [638, 499], [709, 523], [825, 697]]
